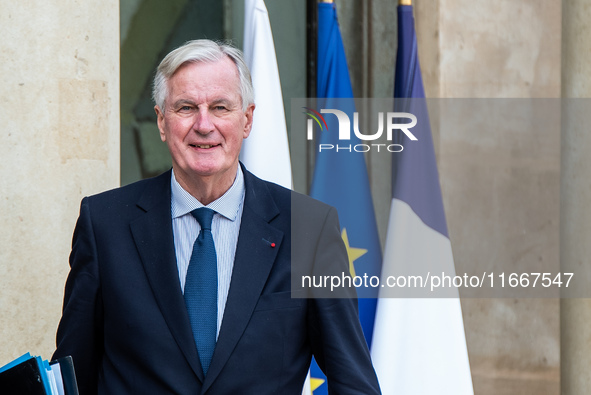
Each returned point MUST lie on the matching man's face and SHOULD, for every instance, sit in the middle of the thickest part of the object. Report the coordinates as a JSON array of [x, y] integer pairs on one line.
[[203, 123]]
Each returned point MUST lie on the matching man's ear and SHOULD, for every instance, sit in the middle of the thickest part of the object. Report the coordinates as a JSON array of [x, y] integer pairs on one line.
[[160, 122], [249, 116]]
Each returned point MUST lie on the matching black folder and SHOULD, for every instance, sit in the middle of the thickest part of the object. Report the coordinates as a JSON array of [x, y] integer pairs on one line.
[[28, 375], [68, 375], [22, 379]]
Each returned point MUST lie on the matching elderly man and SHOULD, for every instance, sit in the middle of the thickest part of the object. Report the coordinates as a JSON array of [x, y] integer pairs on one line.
[[181, 284]]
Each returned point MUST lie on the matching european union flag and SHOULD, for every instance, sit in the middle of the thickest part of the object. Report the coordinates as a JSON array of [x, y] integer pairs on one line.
[[340, 174]]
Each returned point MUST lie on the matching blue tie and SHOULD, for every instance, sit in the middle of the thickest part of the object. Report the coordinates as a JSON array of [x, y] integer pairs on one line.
[[201, 289]]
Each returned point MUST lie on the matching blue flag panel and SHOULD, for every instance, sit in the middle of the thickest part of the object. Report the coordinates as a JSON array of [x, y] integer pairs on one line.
[[340, 177], [415, 179]]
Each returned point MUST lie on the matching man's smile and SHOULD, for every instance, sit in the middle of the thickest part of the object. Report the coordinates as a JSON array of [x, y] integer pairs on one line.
[[204, 146]]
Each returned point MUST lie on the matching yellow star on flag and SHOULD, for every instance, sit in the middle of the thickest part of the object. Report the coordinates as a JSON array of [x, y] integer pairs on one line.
[[353, 253], [315, 383]]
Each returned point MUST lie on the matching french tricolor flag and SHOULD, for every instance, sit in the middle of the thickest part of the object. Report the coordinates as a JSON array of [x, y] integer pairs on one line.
[[266, 151], [419, 344]]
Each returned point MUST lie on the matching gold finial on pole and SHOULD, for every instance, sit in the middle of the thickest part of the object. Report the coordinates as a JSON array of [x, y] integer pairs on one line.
[[404, 2], [326, 1]]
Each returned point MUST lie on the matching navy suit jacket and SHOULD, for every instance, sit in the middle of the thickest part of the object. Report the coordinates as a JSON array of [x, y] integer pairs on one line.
[[124, 318]]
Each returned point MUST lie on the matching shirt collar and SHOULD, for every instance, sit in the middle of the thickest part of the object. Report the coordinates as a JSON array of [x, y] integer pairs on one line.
[[227, 205]]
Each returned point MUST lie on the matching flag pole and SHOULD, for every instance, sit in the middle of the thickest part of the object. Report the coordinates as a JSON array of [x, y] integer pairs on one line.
[[404, 2]]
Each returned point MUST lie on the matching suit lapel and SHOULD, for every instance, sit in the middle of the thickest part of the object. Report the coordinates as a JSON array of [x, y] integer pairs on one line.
[[252, 265], [152, 233]]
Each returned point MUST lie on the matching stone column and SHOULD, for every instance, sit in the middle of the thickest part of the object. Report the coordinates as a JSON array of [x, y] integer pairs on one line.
[[501, 189], [59, 141], [575, 190]]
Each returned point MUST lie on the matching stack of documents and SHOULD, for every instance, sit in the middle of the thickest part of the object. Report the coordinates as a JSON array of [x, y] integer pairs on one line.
[[33, 376]]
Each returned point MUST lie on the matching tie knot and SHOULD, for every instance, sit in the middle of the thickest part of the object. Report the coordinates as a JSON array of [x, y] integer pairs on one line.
[[204, 216]]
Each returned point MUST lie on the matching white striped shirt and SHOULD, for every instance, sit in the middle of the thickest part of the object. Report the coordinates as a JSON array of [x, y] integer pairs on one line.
[[224, 228]]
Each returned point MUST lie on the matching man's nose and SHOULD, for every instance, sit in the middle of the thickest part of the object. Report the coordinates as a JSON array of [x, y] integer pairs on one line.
[[203, 122]]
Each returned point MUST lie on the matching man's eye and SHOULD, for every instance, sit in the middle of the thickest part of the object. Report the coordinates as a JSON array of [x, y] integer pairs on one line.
[[219, 108], [185, 108]]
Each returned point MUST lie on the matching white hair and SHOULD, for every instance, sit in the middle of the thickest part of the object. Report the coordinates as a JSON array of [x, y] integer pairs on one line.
[[201, 51]]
